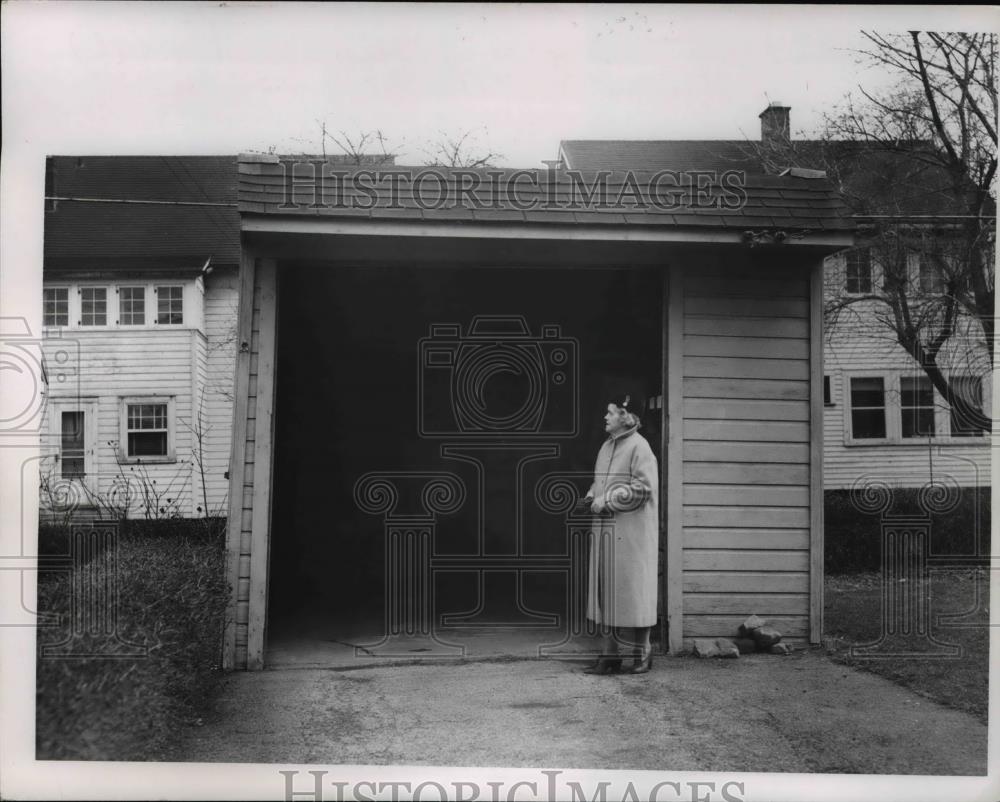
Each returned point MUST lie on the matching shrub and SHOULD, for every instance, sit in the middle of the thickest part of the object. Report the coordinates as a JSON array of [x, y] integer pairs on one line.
[[853, 540], [171, 600]]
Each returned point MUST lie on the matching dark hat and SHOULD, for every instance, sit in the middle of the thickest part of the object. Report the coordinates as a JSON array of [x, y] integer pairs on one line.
[[630, 401]]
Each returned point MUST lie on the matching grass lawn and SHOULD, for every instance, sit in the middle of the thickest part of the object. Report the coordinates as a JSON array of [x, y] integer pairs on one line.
[[853, 616], [126, 671]]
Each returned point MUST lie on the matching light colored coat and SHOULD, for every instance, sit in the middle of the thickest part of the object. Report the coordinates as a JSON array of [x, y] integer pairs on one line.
[[621, 582]]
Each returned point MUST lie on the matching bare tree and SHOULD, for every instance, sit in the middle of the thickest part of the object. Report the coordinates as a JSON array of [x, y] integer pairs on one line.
[[940, 122], [916, 164], [364, 148], [459, 150]]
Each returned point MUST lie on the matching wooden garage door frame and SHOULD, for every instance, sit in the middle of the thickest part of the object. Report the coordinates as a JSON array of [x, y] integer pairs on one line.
[[251, 463], [251, 466]]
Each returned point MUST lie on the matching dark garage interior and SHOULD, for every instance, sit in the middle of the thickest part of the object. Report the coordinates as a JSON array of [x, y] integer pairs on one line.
[[359, 390]]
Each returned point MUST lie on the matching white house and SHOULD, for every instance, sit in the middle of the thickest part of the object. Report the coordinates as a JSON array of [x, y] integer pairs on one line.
[[883, 421], [140, 299]]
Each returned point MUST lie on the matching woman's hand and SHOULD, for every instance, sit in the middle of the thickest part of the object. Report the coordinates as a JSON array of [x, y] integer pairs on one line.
[[597, 506]]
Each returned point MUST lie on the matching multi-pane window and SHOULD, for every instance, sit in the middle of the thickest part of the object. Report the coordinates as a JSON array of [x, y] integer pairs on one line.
[[56, 306], [931, 280], [146, 430], [170, 305], [970, 388], [916, 400], [132, 306], [93, 306], [868, 407], [859, 272], [71, 445]]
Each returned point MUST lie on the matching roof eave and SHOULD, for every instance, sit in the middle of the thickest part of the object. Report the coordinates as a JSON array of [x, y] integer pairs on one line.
[[340, 226]]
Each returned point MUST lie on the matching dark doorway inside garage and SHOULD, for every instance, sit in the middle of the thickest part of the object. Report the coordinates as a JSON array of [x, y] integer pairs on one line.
[[375, 374]]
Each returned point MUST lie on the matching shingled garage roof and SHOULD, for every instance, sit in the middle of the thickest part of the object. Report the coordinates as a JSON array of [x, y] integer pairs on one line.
[[140, 213], [299, 190]]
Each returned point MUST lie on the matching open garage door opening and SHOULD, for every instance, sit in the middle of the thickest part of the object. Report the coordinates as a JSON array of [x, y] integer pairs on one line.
[[429, 424]]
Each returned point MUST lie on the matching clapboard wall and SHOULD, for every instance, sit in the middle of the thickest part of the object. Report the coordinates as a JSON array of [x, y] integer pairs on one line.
[[190, 364], [107, 366], [858, 344], [250, 502], [216, 394], [749, 461]]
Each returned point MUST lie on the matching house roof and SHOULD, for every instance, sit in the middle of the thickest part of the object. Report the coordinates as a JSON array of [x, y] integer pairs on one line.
[[293, 187], [871, 182], [140, 213], [651, 155]]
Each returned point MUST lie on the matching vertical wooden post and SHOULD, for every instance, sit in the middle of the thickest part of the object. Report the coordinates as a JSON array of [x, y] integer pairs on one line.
[[816, 499], [662, 454], [260, 538], [237, 456], [673, 482]]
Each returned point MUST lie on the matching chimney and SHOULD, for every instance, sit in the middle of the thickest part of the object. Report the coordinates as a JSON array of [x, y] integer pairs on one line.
[[775, 126]]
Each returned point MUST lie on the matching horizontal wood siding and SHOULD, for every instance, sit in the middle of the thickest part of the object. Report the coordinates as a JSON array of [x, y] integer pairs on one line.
[[250, 507], [246, 520], [856, 342], [104, 367], [746, 449], [240, 504], [221, 308], [200, 425]]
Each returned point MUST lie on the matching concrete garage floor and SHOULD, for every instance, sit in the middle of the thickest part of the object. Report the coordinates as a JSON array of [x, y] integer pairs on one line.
[[319, 644], [760, 713]]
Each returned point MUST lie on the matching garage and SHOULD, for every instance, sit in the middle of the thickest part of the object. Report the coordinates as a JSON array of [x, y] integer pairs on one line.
[[409, 378]]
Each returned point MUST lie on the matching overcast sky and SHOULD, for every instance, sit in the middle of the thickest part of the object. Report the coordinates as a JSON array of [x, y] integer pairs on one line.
[[221, 78], [173, 78], [200, 78]]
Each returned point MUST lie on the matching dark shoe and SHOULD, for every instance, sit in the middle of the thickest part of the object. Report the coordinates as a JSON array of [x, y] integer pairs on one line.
[[604, 665], [642, 666]]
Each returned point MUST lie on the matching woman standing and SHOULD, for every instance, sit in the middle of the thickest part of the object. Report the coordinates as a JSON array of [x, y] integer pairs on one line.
[[624, 541]]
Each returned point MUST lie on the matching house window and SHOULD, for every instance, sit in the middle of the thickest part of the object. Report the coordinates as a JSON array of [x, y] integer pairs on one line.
[[868, 407], [931, 280], [827, 394], [132, 306], [170, 305], [56, 306], [970, 388], [146, 430], [916, 397], [859, 272], [93, 306], [71, 451]]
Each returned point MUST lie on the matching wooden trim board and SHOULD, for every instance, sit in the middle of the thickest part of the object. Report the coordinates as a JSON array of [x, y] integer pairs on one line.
[[816, 455], [267, 279], [237, 456], [673, 496]]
